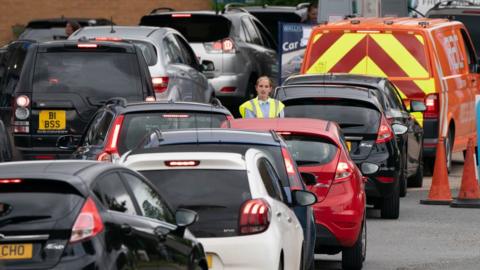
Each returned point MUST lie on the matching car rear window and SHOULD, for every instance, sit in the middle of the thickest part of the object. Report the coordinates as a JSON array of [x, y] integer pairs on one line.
[[194, 27], [148, 51], [46, 34], [95, 75], [307, 150], [137, 125], [36, 200], [216, 195], [353, 116]]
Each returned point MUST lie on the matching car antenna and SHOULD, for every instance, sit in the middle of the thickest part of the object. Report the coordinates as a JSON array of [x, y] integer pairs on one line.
[[216, 7], [111, 25]]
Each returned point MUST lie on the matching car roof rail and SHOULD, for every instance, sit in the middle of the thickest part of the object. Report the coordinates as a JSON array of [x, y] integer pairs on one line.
[[165, 9], [451, 3], [275, 135], [234, 7], [303, 5], [117, 101]]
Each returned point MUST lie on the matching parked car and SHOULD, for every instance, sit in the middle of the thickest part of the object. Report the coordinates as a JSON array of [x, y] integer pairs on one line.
[[54, 28], [368, 134], [423, 58], [466, 12], [319, 149], [119, 126], [5, 144], [240, 46], [84, 214], [62, 85], [410, 143], [232, 141], [244, 221], [176, 73]]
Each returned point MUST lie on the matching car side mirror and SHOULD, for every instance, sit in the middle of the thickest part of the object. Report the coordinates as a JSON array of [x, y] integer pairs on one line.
[[309, 178], [399, 129], [303, 198], [417, 106], [207, 66], [185, 217], [67, 142], [369, 168]]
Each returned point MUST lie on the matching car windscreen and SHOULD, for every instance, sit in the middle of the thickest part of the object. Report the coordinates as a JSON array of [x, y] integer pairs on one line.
[[194, 27], [353, 116], [137, 125], [308, 150], [33, 200], [216, 195], [98, 76]]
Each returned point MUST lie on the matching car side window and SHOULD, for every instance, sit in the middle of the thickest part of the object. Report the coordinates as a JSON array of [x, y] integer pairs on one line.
[[98, 129], [471, 58], [252, 31], [148, 199], [111, 191], [392, 98], [173, 54], [265, 35], [270, 181], [188, 55]]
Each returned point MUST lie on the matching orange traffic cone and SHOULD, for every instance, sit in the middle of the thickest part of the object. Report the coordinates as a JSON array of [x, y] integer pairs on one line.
[[469, 195], [440, 188]]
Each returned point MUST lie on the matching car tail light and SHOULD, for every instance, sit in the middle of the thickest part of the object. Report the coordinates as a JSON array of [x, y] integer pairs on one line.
[[228, 89], [254, 216], [290, 167], [21, 111], [160, 84], [175, 115], [343, 172], [150, 99], [182, 163], [10, 181], [431, 102], [88, 223], [108, 39], [181, 15], [23, 101], [110, 152], [87, 46], [226, 45], [385, 179], [385, 132], [44, 157]]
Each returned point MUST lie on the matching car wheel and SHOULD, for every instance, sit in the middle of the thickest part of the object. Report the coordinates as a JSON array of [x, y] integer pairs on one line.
[[417, 179], [353, 257], [390, 208]]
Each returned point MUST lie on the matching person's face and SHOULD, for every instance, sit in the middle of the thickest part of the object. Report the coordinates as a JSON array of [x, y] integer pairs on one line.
[[68, 29], [263, 89], [312, 14]]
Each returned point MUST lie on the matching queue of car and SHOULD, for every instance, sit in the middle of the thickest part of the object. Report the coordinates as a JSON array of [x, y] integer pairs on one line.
[[181, 184]]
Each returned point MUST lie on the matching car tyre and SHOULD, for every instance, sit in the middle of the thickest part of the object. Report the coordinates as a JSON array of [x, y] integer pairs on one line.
[[390, 208], [417, 179], [403, 179], [353, 257]]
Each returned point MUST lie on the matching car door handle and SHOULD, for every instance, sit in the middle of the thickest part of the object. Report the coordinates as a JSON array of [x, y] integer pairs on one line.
[[126, 229]]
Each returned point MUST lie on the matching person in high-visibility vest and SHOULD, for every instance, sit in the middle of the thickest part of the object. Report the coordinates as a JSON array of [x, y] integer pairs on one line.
[[263, 106]]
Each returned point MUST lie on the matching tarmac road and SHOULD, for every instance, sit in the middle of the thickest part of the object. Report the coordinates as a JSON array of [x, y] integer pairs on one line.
[[424, 237]]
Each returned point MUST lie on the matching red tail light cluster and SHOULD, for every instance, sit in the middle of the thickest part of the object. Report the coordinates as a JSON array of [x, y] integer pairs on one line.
[[88, 223], [254, 216], [111, 150], [21, 114], [290, 167], [432, 104], [385, 132], [10, 181], [220, 46], [160, 84], [182, 163], [343, 172]]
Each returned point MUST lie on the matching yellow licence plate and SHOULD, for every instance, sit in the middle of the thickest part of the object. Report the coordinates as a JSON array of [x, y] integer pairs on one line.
[[209, 261], [349, 145], [16, 251], [52, 120]]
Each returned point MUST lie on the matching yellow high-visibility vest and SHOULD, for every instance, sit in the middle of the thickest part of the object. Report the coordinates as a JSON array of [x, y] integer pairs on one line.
[[253, 105]]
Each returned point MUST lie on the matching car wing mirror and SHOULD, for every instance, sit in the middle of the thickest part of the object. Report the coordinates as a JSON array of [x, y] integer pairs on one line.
[[303, 198], [417, 106], [185, 217], [399, 129], [309, 178], [67, 142], [207, 66], [369, 168]]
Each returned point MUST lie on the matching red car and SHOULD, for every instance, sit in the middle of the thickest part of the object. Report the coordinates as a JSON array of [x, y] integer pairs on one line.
[[323, 159]]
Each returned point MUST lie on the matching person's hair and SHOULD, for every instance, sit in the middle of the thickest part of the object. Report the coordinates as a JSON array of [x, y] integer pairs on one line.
[[74, 24], [313, 4], [264, 78]]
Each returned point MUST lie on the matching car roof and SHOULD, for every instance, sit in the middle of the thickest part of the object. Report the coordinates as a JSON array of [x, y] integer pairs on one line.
[[63, 43], [167, 105], [62, 21], [78, 173], [323, 128], [336, 78], [125, 32], [387, 23]]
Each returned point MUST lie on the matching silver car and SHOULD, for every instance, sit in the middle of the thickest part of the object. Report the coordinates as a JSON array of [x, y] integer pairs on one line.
[[176, 73], [240, 46]]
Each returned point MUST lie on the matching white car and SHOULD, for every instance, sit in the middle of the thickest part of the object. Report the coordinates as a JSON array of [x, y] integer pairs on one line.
[[243, 221]]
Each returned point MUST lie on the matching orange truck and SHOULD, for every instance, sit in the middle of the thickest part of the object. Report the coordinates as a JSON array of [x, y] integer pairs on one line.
[[431, 60]]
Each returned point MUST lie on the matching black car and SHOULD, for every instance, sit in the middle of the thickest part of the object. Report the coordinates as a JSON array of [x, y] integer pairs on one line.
[[90, 215], [236, 141], [409, 143], [54, 28], [129, 123], [63, 83], [369, 135], [5, 145]]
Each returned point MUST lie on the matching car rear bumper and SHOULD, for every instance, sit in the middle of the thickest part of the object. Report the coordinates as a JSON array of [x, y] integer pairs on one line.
[[229, 81], [40, 147]]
